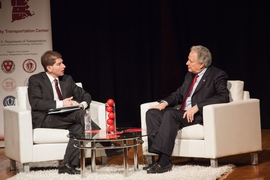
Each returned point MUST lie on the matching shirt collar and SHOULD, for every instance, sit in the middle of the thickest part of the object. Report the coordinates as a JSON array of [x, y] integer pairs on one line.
[[51, 78], [200, 74]]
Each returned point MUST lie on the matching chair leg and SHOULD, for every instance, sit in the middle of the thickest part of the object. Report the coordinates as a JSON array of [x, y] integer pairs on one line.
[[254, 158], [12, 165], [26, 167], [214, 163], [103, 160]]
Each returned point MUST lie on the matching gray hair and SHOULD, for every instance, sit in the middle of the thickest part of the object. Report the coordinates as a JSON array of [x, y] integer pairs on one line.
[[203, 54]]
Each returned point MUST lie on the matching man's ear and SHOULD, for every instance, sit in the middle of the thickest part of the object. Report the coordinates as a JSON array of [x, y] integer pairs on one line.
[[49, 68], [202, 65]]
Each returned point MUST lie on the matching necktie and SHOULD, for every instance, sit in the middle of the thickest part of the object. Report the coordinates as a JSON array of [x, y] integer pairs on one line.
[[60, 97], [189, 91]]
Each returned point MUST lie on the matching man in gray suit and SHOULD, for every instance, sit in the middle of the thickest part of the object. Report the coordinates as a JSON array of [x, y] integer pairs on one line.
[[43, 95], [204, 84]]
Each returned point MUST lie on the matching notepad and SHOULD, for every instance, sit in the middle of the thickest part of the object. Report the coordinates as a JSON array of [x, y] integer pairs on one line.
[[64, 109]]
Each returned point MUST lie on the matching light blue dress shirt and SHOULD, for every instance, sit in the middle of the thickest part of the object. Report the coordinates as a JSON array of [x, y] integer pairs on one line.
[[188, 101]]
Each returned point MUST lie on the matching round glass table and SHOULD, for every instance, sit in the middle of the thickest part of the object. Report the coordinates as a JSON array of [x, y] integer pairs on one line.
[[127, 137]]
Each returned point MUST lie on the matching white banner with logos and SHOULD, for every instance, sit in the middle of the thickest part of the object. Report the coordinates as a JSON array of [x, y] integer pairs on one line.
[[25, 34]]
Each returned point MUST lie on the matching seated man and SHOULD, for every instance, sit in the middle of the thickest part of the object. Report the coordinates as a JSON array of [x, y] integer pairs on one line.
[[52, 89], [204, 84]]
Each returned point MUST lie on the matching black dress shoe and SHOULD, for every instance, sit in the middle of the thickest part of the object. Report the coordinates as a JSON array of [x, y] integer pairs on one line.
[[158, 169], [67, 168], [113, 152], [149, 166]]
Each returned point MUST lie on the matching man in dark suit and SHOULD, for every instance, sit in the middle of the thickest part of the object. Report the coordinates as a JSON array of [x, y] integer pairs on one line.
[[204, 84], [43, 95]]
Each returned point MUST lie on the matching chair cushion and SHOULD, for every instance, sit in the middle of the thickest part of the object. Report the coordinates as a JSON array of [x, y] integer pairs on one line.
[[47, 135], [195, 132]]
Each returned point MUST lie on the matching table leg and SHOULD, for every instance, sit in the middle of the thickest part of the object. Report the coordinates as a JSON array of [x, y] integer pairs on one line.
[[82, 160], [136, 165], [93, 157], [125, 159]]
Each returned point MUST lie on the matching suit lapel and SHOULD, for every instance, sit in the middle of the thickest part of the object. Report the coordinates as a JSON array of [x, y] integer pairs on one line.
[[203, 80], [48, 84], [189, 82], [63, 87]]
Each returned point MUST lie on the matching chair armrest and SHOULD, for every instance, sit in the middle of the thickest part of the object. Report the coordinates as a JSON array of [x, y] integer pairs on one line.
[[232, 128], [97, 111], [18, 133], [144, 108]]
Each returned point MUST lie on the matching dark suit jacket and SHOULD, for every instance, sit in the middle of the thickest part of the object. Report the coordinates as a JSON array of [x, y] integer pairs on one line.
[[40, 95], [211, 89]]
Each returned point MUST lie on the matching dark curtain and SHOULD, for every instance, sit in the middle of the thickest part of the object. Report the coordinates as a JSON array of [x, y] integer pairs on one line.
[[113, 48], [135, 51], [237, 34]]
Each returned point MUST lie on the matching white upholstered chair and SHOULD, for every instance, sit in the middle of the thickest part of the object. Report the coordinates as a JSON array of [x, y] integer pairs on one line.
[[229, 129], [26, 145]]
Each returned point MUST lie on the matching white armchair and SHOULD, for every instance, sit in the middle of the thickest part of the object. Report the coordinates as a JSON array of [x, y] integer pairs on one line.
[[26, 145], [229, 129]]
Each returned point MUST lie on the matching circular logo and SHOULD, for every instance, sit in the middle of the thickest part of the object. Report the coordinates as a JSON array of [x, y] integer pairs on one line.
[[8, 66], [9, 84], [29, 65], [9, 101]]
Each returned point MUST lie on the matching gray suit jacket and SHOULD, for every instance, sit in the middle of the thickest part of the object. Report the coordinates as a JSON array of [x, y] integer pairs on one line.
[[40, 95], [211, 89]]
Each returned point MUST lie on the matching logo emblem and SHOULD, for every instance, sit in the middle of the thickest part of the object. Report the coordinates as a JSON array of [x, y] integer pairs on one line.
[[29, 65], [8, 66], [20, 10], [9, 84], [9, 101]]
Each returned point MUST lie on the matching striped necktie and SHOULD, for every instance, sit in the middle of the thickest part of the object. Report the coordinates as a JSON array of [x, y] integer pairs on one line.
[[60, 97], [189, 91]]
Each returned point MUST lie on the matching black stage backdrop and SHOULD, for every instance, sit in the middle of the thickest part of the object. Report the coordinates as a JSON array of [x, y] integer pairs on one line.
[[135, 51]]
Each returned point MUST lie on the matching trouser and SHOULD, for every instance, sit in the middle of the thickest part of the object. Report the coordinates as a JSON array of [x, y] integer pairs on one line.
[[162, 127], [74, 122]]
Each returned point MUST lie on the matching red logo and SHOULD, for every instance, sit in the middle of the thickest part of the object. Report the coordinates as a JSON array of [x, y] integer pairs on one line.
[[20, 10], [29, 65], [8, 66]]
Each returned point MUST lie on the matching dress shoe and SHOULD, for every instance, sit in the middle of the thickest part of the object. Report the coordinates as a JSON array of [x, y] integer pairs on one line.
[[158, 169], [113, 152], [67, 168], [149, 166]]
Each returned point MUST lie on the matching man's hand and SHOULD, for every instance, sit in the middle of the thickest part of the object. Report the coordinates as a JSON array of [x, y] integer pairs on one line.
[[75, 103], [68, 101], [160, 106], [189, 114]]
